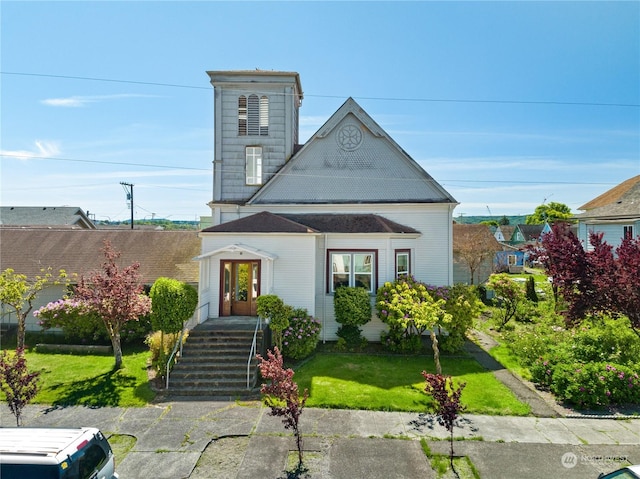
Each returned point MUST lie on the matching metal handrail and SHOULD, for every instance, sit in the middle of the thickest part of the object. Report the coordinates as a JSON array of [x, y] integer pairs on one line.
[[175, 349], [179, 343], [253, 351]]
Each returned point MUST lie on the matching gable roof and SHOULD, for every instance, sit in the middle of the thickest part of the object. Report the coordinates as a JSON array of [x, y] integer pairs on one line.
[[622, 201], [351, 159], [266, 222], [529, 232], [44, 216], [160, 253], [465, 234]]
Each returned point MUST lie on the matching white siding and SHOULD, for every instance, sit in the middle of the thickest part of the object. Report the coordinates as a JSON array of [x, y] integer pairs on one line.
[[290, 275]]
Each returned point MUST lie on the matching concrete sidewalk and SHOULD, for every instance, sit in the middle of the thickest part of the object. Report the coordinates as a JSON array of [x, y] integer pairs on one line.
[[172, 437]]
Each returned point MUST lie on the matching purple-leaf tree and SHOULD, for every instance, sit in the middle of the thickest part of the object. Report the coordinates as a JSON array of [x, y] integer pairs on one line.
[[448, 404], [18, 384], [282, 396], [628, 280]]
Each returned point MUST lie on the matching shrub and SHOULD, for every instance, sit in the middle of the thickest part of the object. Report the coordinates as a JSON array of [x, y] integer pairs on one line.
[[300, 338], [396, 341], [161, 346], [81, 326], [352, 308], [271, 307], [596, 384], [530, 290], [508, 293]]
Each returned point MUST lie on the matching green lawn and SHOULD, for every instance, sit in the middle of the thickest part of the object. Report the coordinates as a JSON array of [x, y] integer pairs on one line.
[[74, 379], [394, 383]]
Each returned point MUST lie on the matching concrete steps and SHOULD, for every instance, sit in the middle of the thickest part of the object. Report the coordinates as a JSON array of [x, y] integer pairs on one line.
[[214, 364]]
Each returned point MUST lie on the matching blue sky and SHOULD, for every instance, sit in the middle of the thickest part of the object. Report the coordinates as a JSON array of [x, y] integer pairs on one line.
[[506, 104]]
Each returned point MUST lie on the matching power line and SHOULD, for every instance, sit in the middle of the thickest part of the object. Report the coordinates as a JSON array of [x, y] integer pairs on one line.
[[398, 99], [39, 157], [301, 175]]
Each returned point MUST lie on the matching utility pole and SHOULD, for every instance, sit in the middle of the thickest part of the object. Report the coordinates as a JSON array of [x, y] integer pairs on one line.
[[128, 189]]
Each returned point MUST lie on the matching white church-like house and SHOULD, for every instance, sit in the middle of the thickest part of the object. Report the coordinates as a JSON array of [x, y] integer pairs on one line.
[[348, 207]]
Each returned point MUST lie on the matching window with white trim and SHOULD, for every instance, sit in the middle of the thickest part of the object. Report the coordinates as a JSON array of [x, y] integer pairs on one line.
[[352, 268], [253, 156], [403, 263], [253, 115], [627, 232]]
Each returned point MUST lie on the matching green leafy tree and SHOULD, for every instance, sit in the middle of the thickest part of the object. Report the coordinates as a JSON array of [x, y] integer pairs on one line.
[[504, 221], [549, 213], [18, 384], [407, 305], [352, 307], [19, 292], [463, 304], [510, 295]]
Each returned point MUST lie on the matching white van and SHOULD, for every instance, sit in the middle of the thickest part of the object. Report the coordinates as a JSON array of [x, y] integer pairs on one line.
[[55, 453]]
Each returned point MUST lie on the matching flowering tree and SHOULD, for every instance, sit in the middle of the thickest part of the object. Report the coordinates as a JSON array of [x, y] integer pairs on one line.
[[18, 291], [281, 395], [114, 294], [18, 384], [448, 404]]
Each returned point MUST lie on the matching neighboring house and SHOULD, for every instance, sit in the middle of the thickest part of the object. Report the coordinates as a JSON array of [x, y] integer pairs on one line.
[[29, 250], [529, 234], [58, 216], [504, 233], [615, 213], [474, 247], [349, 207], [510, 259]]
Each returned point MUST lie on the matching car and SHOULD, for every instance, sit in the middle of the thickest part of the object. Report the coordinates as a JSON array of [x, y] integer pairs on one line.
[[55, 453], [629, 472]]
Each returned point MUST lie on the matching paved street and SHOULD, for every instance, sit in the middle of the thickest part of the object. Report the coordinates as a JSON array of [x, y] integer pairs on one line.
[[172, 437]]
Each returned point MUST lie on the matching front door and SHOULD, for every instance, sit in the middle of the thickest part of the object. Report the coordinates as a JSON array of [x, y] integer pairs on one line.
[[240, 288]]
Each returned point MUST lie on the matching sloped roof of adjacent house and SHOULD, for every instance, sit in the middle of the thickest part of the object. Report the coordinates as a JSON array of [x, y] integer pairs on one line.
[[351, 159], [160, 253], [266, 222], [530, 232], [507, 231], [622, 201], [44, 216], [464, 235]]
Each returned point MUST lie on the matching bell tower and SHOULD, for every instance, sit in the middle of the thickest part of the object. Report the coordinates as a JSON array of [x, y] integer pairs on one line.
[[255, 129]]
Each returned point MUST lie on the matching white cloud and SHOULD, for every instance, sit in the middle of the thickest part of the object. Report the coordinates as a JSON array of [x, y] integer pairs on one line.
[[80, 101], [42, 149]]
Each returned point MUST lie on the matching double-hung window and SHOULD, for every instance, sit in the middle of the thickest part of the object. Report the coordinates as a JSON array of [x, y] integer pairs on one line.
[[253, 115], [352, 268], [403, 263], [253, 156]]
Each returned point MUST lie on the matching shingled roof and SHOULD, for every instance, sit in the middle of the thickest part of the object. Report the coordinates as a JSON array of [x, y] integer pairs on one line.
[[160, 253], [266, 222], [45, 216], [622, 201]]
